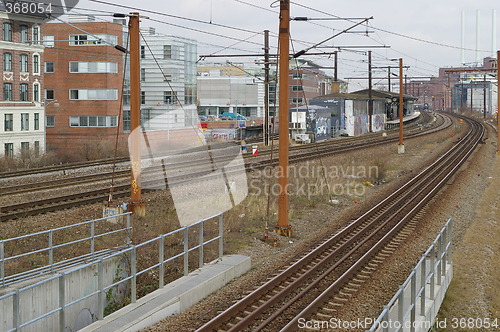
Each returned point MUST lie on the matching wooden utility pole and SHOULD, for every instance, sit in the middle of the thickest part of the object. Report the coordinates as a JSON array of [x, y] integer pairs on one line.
[[389, 78], [401, 147], [284, 70], [135, 205], [266, 88], [370, 100], [335, 62], [484, 97]]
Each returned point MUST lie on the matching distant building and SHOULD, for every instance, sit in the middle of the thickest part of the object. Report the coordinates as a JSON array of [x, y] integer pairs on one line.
[[83, 84], [168, 82], [243, 95], [22, 115]]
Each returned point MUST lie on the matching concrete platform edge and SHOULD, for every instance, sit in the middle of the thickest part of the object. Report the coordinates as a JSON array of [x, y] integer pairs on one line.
[[175, 297]]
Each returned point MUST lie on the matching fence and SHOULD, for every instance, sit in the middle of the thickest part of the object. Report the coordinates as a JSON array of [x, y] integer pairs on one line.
[[52, 264], [99, 280], [407, 310]]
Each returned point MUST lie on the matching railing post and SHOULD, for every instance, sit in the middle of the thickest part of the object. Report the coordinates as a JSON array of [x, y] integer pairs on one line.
[[413, 299], [16, 319], [186, 251], [51, 251], [62, 302], [2, 262], [401, 304], [100, 285], [386, 319], [92, 238], [221, 234], [161, 258], [129, 239], [133, 267], [200, 250], [423, 277], [450, 238], [439, 253], [444, 241], [432, 270]]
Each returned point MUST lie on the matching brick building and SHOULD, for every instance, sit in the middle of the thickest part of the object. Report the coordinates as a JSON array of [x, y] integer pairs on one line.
[[22, 128], [83, 86]]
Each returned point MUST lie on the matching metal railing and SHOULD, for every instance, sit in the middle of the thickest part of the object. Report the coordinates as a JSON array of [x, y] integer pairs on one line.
[[49, 235], [103, 286], [439, 254]]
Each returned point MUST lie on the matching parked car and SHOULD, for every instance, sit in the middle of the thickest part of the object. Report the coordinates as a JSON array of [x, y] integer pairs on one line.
[[231, 116], [203, 118]]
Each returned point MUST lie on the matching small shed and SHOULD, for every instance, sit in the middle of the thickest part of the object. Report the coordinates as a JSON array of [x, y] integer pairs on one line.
[[310, 123]]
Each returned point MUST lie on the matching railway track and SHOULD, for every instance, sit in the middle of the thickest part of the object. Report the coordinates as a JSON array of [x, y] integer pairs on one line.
[[298, 154], [315, 286]]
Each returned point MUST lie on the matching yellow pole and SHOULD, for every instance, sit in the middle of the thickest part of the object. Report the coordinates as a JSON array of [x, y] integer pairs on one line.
[[401, 147], [136, 205], [284, 35]]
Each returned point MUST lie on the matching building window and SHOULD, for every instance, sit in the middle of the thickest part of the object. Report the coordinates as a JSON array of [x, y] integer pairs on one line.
[[24, 91], [37, 148], [7, 91], [24, 63], [169, 97], [25, 121], [7, 62], [167, 51], [93, 121], [23, 33], [297, 100], [297, 88], [93, 67], [9, 150], [49, 67], [36, 34], [98, 39], [143, 97], [36, 92], [49, 94], [48, 41], [36, 64], [7, 31], [36, 123], [297, 76], [143, 52], [143, 74], [50, 121], [8, 122], [93, 94], [25, 147]]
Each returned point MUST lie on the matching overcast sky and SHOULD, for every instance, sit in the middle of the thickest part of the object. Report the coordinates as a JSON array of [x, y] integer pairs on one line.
[[438, 22]]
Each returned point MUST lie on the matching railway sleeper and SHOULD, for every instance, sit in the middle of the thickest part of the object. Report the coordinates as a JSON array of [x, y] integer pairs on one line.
[[344, 293], [334, 304], [340, 299]]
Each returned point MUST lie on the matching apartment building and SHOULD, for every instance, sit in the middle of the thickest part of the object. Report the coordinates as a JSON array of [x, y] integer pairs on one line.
[[83, 85], [168, 82], [22, 129]]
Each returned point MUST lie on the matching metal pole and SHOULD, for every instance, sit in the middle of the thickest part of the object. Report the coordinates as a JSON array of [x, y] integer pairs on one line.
[[161, 259], [221, 236], [389, 77], [284, 70], [133, 268], [266, 88], [370, 100], [335, 71], [2, 263], [51, 251], [401, 147], [100, 285], [186, 251], [200, 249], [484, 97], [136, 205], [498, 103]]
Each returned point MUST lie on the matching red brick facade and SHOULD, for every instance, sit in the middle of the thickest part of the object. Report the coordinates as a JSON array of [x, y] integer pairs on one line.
[[65, 82]]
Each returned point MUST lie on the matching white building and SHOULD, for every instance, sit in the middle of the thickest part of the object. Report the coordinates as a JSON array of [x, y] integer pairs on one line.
[[234, 94], [168, 81], [22, 116]]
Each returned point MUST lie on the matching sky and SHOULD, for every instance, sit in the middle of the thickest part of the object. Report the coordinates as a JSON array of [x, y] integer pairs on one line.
[[425, 33]]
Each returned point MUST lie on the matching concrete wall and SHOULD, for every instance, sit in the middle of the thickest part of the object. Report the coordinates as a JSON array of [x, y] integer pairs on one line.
[[41, 296]]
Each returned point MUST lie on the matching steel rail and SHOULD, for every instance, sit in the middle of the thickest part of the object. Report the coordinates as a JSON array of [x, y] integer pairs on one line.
[[245, 304]]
